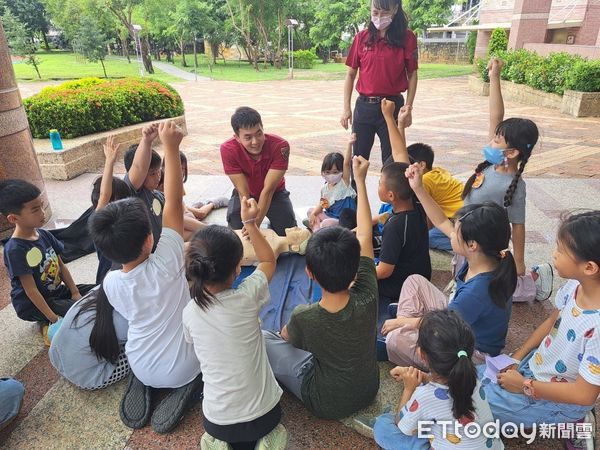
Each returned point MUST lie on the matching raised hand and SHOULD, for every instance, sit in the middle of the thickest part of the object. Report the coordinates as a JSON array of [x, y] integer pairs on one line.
[[111, 150], [414, 173], [387, 107], [170, 135], [495, 67], [412, 378], [249, 209], [360, 166], [150, 132]]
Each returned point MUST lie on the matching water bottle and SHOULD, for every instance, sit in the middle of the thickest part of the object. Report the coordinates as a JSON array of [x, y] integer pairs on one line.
[[56, 140]]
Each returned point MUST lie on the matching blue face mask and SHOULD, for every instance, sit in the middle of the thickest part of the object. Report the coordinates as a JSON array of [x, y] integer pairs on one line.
[[493, 155]]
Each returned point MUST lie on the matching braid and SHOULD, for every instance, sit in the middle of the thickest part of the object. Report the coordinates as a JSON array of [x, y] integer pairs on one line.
[[469, 184], [513, 185]]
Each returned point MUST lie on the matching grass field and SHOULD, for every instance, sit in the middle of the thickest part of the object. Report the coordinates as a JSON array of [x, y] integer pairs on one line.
[[64, 65], [242, 71]]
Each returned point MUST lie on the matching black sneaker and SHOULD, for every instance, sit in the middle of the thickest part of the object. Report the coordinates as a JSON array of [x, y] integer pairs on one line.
[[171, 409], [135, 405]]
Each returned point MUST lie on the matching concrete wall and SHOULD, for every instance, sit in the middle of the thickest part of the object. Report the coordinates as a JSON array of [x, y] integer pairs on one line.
[[587, 51], [443, 52]]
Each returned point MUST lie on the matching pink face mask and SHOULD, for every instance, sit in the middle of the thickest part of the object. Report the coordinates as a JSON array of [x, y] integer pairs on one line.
[[382, 22], [333, 178]]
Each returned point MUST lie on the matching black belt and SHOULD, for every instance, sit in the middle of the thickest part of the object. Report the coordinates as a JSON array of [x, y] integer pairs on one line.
[[377, 99]]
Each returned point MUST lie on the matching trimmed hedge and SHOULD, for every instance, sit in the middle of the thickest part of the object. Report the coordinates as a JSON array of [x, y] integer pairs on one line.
[[554, 73], [91, 105], [304, 59]]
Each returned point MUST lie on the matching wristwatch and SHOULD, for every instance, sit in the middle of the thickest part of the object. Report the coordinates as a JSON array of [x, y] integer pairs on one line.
[[528, 389]]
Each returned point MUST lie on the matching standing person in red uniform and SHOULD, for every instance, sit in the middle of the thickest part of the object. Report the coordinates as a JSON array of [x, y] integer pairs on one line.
[[256, 163], [385, 57]]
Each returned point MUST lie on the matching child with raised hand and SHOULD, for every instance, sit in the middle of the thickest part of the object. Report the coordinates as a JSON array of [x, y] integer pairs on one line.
[[143, 166], [445, 190], [108, 188], [499, 179], [448, 393], [43, 289], [557, 379], [337, 195], [241, 401], [325, 355], [150, 292], [485, 283]]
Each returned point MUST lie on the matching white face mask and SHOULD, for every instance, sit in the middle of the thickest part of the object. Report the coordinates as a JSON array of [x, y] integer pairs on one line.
[[382, 22], [333, 178]]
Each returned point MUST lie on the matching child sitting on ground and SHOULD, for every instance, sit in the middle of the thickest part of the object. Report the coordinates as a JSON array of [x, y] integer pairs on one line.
[[325, 355], [485, 283], [106, 189], [499, 179], [241, 404], [143, 166], [450, 392], [404, 243], [557, 379], [150, 292], [337, 195], [445, 190], [42, 287], [89, 348]]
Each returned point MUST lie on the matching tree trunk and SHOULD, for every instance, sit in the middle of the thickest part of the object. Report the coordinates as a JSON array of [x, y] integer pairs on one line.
[[125, 48], [35, 66], [146, 55], [214, 49], [46, 46], [182, 49], [103, 68], [169, 56]]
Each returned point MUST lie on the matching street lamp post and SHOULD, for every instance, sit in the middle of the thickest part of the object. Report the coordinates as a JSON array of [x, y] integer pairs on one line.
[[291, 23], [138, 47]]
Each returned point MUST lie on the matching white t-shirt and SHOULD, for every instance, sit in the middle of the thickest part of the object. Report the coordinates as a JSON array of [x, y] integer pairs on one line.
[[573, 346], [432, 402], [152, 297], [239, 385]]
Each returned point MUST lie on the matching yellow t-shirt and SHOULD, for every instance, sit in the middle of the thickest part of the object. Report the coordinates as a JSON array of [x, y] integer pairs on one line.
[[444, 189]]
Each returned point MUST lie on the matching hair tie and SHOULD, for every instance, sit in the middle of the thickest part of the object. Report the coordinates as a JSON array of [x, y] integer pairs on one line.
[[528, 146], [462, 353], [504, 252]]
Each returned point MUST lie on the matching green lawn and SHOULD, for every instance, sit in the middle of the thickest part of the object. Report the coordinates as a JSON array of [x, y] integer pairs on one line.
[[242, 71], [64, 65]]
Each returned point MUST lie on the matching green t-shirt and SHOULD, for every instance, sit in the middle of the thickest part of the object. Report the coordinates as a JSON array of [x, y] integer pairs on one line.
[[345, 374]]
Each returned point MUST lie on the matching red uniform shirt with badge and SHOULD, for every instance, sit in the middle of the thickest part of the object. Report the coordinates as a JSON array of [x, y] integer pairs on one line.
[[274, 155], [382, 67]]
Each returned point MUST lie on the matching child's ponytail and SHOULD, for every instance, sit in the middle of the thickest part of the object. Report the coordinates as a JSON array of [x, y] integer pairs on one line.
[[448, 343], [488, 225], [103, 338], [212, 258], [469, 184]]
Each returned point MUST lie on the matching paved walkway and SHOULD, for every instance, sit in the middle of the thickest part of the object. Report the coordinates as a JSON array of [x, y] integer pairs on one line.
[[562, 175]]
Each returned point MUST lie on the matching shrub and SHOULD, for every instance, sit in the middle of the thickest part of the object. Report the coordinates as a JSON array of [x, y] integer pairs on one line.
[[482, 69], [91, 105], [471, 44], [584, 76], [304, 59], [554, 73], [498, 42]]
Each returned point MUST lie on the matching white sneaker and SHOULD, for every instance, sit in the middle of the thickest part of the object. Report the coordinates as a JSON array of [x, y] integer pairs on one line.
[[544, 281], [275, 440], [208, 442], [584, 440]]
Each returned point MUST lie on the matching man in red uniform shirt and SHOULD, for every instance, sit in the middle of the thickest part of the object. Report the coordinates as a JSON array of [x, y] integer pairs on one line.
[[256, 163]]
